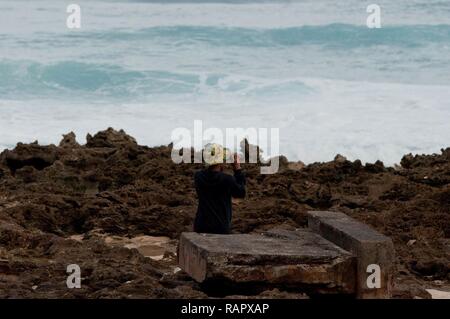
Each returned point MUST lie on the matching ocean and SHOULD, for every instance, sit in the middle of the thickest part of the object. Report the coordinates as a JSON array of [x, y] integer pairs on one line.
[[313, 69]]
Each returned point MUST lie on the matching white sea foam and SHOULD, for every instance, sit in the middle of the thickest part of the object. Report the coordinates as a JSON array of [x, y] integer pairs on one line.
[[366, 121]]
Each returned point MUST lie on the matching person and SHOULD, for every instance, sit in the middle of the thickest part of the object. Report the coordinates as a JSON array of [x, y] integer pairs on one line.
[[215, 189]]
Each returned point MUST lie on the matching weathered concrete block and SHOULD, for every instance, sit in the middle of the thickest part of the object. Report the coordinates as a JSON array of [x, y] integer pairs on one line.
[[369, 247], [299, 259]]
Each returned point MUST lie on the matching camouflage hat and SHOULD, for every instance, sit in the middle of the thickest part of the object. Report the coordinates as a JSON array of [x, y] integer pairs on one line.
[[214, 154]]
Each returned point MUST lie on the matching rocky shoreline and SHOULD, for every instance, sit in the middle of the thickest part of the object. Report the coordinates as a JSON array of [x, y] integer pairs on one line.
[[116, 209]]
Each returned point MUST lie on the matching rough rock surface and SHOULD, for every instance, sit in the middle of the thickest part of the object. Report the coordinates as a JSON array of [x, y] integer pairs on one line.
[[114, 186], [297, 260], [369, 246]]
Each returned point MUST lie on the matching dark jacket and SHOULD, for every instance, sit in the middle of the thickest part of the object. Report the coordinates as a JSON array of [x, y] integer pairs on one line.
[[214, 191]]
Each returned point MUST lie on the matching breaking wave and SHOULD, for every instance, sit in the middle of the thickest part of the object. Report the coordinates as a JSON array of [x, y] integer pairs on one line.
[[332, 35], [69, 78]]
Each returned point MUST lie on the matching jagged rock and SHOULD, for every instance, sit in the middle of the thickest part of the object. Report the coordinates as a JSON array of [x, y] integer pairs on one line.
[[69, 140], [296, 166], [340, 159], [110, 138], [114, 185], [407, 161], [27, 174], [377, 167], [32, 154], [415, 161]]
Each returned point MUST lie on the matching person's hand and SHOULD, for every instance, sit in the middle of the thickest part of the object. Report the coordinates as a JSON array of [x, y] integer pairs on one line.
[[237, 162]]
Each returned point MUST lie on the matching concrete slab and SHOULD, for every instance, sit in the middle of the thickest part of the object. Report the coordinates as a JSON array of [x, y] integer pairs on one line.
[[369, 247], [301, 258], [438, 294]]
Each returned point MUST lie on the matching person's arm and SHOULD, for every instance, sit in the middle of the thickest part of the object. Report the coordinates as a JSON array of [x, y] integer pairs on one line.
[[238, 182]]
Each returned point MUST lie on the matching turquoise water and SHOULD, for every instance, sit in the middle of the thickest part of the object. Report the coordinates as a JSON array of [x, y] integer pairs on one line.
[[311, 68]]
